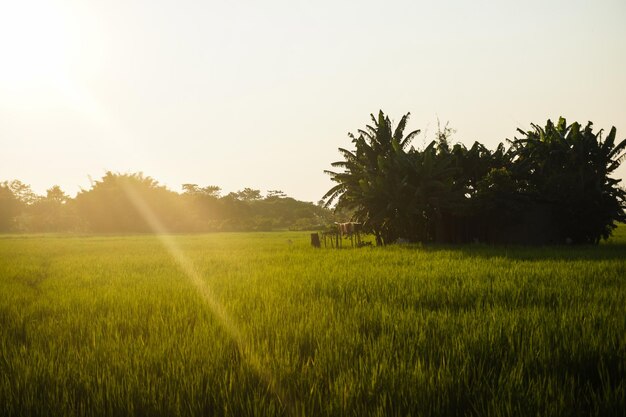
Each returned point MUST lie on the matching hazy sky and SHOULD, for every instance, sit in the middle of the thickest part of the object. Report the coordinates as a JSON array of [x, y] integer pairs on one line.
[[261, 93]]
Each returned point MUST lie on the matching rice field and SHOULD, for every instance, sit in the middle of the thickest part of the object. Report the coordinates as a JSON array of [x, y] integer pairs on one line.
[[265, 325]]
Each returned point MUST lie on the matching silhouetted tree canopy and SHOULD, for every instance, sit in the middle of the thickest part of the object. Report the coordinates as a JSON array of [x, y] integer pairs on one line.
[[552, 185], [123, 203]]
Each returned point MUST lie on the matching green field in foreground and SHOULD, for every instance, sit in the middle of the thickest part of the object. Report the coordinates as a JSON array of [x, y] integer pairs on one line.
[[263, 324]]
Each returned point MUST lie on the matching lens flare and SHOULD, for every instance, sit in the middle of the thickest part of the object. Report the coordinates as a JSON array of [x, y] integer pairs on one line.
[[246, 350]]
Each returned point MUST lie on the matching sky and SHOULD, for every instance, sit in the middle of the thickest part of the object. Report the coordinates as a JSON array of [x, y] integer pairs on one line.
[[261, 94]]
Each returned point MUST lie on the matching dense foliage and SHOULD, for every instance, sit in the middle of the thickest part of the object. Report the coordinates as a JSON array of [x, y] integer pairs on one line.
[[122, 203], [552, 185]]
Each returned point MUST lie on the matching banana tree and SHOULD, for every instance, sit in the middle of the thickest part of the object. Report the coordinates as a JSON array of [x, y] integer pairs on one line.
[[371, 181], [567, 168]]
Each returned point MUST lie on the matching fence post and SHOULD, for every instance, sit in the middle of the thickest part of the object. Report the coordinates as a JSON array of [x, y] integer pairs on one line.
[[315, 240]]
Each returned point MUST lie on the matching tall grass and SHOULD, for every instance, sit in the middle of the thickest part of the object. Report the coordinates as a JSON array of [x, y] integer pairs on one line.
[[113, 326]]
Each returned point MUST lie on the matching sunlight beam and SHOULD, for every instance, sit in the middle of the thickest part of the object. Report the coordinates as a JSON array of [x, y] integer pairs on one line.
[[245, 348]]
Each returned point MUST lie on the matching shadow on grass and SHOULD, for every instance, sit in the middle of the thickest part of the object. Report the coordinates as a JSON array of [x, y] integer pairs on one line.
[[601, 252], [612, 249]]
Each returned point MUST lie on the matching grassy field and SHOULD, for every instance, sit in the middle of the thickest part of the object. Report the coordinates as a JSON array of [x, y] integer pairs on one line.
[[263, 324]]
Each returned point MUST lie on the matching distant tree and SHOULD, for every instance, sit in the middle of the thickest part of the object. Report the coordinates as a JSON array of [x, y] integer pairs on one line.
[[10, 207], [117, 203], [203, 209], [57, 195], [52, 213], [22, 192], [212, 191], [191, 189], [248, 194], [236, 214], [122, 203], [275, 194], [26, 198], [194, 189]]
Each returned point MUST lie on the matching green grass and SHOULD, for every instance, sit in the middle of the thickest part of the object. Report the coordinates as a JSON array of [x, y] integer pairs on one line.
[[113, 326]]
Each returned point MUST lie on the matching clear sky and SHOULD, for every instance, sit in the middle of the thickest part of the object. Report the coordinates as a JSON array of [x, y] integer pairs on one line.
[[261, 93]]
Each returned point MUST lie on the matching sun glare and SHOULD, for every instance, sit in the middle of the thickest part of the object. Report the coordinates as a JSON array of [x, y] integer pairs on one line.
[[37, 45], [246, 349]]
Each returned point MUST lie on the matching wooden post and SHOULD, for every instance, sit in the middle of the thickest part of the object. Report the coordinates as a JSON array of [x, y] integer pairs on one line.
[[315, 240]]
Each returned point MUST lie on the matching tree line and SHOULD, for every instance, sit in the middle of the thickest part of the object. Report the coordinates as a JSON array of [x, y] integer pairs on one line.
[[553, 184], [131, 203]]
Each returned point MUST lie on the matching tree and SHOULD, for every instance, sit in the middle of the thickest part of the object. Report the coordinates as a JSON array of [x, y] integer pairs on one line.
[[551, 186], [372, 181], [52, 212], [26, 198], [566, 169], [248, 194], [193, 189], [57, 195], [22, 192], [10, 207], [273, 194], [128, 203]]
